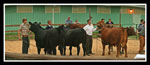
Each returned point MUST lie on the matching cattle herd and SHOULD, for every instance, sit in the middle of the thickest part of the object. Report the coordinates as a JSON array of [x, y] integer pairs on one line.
[[62, 37]]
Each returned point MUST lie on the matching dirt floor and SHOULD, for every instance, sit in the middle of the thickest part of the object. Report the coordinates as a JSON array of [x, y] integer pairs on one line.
[[132, 48]]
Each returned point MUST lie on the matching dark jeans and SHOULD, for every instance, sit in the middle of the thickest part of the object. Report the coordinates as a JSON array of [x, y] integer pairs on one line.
[[25, 45], [89, 44]]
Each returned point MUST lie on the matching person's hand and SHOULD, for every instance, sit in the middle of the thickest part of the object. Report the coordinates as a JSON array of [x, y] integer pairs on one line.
[[96, 28], [137, 32], [19, 38]]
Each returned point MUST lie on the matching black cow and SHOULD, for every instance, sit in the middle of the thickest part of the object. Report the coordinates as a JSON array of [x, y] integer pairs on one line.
[[40, 34], [54, 38], [47, 39], [73, 37]]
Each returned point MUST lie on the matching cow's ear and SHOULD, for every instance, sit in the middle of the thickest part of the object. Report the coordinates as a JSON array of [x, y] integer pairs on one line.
[[39, 22], [30, 23], [127, 28], [61, 26], [35, 22]]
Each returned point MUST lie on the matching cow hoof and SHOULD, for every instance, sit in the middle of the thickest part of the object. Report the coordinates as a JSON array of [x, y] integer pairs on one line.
[[117, 56], [92, 53], [88, 54], [141, 51], [109, 54], [126, 56], [103, 54]]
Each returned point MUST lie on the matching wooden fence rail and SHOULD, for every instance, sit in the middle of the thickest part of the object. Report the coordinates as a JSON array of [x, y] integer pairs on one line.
[[17, 25]]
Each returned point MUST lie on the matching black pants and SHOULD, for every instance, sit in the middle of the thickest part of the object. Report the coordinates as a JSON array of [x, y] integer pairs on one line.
[[89, 44], [25, 45]]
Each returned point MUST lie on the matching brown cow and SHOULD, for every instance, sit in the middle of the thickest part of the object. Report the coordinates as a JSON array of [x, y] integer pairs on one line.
[[116, 36], [73, 26]]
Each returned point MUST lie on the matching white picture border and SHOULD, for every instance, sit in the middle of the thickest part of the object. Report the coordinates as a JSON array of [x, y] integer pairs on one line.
[[114, 4]]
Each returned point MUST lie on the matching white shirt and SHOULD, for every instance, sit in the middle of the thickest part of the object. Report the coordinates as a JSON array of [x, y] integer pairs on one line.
[[49, 25], [89, 29]]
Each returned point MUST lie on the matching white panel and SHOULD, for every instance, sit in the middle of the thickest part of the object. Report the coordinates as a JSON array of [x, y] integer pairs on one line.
[[78, 9], [49, 9], [24, 9]]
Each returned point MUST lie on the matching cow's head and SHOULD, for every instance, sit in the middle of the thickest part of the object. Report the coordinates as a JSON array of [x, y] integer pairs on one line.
[[73, 26], [101, 24], [131, 31], [61, 32], [60, 28], [34, 26]]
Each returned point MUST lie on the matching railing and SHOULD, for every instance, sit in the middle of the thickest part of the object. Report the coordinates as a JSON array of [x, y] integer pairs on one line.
[[17, 25]]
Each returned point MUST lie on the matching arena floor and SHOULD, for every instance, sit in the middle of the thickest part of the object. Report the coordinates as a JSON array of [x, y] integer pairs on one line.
[[132, 48]]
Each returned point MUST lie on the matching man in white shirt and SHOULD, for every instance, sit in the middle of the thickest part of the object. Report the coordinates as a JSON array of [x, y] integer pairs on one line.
[[89, 31]]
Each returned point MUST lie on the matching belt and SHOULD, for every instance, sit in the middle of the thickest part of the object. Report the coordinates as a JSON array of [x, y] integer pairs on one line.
[[25, 35]]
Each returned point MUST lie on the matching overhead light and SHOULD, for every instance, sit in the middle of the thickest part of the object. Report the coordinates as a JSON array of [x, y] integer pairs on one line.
[[130, 11]]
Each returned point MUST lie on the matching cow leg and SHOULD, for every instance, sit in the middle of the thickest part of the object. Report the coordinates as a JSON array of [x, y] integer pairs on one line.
[[54, 51], [78, 50], [126, 51], [109, 49], [39, 50], [118, 50], [60, 49], [122, 51], [45, 50], [84, 48], [49, 51], [70, 50], [65, 50], [103, 49]]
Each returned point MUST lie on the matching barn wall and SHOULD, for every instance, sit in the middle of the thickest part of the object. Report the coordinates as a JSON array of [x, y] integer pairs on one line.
[[39, 15]]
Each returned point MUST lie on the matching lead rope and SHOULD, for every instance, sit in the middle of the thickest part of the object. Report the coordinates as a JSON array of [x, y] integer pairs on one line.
[[96, 46]]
